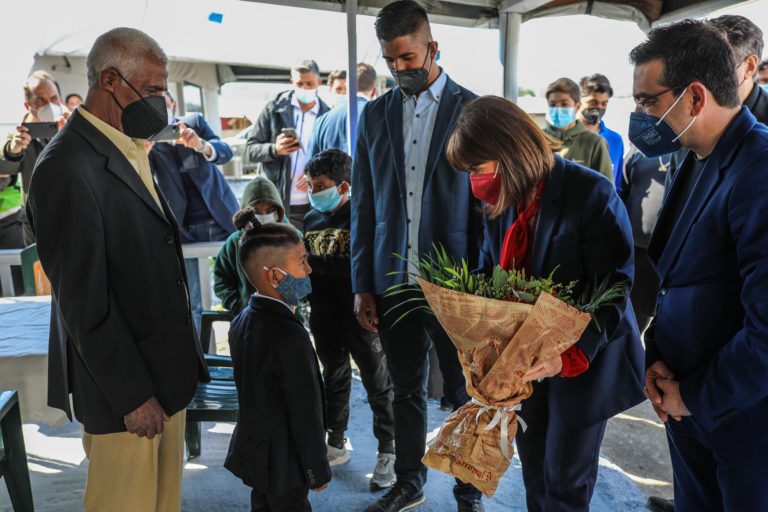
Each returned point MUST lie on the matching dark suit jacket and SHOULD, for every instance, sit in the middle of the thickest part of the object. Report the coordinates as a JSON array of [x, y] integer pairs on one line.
[[120, 319], [279, 441], [449, 212], [711, 325], [583, 231], [169, 160], [278, 114]]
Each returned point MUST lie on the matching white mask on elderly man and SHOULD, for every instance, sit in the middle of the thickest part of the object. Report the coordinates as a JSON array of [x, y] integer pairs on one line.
[[49, 112]]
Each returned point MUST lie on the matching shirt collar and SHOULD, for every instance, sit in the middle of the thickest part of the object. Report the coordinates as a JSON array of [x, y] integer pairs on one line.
[[435, 90], [124, 143], [260, 296], [315, 108]]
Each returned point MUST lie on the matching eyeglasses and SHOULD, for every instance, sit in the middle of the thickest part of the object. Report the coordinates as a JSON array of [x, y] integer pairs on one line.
[[644, 101]]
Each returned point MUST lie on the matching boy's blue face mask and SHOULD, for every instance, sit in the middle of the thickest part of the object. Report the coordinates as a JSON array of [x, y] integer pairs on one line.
[[293, 289], [764, 87], [327, 200], [561, 117], [652, 136]]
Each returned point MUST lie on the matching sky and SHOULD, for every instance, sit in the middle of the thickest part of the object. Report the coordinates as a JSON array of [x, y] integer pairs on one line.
[[572, 46]]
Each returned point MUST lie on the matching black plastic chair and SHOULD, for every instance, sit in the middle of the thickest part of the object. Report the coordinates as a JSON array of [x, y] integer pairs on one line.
[[215, 400], [13, 455]]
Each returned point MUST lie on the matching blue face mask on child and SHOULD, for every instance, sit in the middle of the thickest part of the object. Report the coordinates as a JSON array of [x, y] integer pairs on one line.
[[325, 201], [293, 289], [561, 117]]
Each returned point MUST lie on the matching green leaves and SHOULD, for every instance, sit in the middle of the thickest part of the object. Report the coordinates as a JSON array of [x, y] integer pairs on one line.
[[443, 270]]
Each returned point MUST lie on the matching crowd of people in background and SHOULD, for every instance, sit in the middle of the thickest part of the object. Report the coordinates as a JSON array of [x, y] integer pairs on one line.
[[677, 216]]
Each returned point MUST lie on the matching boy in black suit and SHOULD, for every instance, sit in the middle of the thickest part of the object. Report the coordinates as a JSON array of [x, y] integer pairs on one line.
[[278, 447]]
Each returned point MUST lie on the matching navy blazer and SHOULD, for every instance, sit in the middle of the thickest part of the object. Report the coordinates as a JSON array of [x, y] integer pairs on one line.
[[331, 129], [449, 212], [279, 441], [583, 234], [168, 160], [711, 325]]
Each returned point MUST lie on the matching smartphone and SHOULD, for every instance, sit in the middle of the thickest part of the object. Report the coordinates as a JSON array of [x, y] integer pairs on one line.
[[43, 130], [290, 132], [168, 133]]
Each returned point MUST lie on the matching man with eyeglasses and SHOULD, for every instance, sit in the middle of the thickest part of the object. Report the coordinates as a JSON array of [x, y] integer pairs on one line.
[[706, 349]]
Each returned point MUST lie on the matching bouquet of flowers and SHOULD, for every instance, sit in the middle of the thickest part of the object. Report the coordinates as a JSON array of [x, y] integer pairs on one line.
[[502, 325]]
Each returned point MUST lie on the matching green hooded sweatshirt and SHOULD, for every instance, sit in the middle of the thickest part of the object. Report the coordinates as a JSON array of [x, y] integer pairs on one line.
[[584, 147], [229, 280]]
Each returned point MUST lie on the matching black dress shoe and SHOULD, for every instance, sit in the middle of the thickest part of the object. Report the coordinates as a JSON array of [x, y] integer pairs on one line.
[[659, 504], [470, 506], [399, 498]]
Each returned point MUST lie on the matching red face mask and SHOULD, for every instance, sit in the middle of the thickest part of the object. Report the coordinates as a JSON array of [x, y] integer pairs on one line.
[[486, 187]]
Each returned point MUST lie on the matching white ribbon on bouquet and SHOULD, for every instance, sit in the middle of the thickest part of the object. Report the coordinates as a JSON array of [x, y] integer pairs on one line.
[[501, 416]]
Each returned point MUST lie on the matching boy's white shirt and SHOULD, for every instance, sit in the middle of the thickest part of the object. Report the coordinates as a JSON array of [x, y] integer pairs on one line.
[[257, 294]]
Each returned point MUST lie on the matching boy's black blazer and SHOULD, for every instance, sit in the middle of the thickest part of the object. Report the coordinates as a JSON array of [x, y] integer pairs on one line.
[[279, 441]]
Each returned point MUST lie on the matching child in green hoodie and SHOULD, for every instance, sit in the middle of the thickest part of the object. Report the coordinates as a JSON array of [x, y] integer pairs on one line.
[[229, 280]]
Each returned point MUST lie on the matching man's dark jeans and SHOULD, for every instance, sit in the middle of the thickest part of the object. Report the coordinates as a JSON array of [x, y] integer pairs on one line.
[[406, 346]]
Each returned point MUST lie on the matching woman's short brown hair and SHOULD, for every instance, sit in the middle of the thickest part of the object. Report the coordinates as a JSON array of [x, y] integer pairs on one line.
[[493, 128]]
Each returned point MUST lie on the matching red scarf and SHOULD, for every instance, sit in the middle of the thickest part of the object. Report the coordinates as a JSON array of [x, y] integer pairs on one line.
[[515, 253]]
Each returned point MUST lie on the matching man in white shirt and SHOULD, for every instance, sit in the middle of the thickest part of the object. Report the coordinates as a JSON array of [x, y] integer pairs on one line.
[[280, 137]]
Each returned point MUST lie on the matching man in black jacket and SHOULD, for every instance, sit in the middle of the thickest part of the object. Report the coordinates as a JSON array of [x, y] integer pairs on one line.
[[283, 153], [746, 39], [122, 341], [20, 151]]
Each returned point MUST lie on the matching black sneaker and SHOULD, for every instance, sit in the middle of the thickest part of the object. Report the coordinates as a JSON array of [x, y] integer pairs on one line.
[[399, 498], [659, 504], [470, 506]]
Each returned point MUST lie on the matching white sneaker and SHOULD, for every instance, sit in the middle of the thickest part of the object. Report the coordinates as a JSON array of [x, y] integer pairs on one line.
[[337, 456], [384, 472]]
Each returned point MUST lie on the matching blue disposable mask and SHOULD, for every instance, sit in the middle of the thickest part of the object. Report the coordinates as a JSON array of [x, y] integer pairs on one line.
[[764, 87], [326, 200], [305, 96], [293, 289], [561, 117], [652, 136]]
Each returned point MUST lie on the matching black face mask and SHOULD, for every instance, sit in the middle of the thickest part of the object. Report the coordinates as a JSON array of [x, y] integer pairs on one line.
[[593, 115], [144, 117], [412, 81]]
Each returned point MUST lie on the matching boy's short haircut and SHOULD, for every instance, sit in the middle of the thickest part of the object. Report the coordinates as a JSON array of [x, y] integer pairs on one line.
[[596, 83], [332, 163], [763, 65], [564, 85], [264, 241], [401, 18]]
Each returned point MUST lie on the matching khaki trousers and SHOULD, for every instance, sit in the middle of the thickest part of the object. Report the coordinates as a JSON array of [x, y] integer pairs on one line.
[[128, 473]]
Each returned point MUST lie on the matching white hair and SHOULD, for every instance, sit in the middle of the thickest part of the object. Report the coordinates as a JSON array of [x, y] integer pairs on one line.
[[124, 49]]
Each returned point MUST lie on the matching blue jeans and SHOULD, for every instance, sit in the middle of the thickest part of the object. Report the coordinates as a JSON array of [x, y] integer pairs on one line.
[[207, 232]]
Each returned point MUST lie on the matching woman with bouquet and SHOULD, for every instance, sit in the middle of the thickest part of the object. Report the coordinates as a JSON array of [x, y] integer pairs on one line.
[[548, 215]]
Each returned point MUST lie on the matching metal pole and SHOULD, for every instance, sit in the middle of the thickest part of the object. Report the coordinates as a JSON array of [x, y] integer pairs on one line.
[[509, 39], [351, 7]]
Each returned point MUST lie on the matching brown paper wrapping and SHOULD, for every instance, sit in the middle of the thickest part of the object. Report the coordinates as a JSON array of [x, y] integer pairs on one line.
[[497, 341]]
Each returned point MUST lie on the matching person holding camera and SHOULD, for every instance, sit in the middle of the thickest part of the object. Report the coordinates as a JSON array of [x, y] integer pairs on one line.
[[280, 137], [44, 116]]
